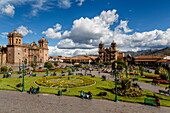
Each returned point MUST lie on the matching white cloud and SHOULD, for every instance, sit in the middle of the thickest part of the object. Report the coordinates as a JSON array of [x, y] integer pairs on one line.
[[80, 2], [88, 31], [54, 50], [8, 10], [53, 32], [122, 27], [23, 30], [4, 35], [85, 35], [36, 5], [68, 43], [64, 4]]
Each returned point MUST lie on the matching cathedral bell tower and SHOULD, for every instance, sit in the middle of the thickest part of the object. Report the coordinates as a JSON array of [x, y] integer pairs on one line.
[[113, 51], [43, 44], [14, 38], [14, 48], [101, 51]]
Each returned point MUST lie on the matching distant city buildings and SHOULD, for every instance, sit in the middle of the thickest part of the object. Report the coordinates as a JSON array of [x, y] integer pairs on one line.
[[86, 59], [16, 52]]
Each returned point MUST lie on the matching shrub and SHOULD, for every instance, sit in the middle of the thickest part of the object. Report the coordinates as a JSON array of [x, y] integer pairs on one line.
[[56, 64], [132, 92], [48, 65], [4, 68], [126, 83], [141, 68], [162, 72]]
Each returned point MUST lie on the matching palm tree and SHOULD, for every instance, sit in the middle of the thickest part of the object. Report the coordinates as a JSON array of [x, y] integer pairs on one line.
[[119, 65]]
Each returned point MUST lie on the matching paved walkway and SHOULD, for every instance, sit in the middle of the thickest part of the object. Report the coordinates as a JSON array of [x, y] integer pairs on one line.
[[17, 102]]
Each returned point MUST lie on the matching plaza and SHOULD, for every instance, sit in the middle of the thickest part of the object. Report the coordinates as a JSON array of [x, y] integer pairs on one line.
[[45, 102], [17, 102]]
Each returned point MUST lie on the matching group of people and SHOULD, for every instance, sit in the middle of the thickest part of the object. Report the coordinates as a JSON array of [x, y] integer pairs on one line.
[[86, 95], [33, 90]]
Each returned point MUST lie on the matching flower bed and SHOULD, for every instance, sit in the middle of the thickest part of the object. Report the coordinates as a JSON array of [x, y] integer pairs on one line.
[[64, 81], [44, 70], [132, 92], [133, 73], [161, 81], [152, 76]]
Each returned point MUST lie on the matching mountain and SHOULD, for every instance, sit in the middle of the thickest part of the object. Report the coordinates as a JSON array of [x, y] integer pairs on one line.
[[155, 52]]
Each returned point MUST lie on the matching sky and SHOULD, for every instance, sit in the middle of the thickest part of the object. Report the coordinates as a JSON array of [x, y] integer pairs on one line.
[[76, 27]]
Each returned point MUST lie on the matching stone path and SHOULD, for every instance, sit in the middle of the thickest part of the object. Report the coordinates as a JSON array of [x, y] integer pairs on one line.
[[17, 102]]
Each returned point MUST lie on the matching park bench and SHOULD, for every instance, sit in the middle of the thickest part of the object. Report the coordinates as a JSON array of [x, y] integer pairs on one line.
[[53, 74], [164, 92], [103, 77], [102, 94], [89, 74], [79, 74], [6, 75], [149, 101], [155, 82], [35, 91], [93, 76], [33, 75], [135, 79], [70, 73]]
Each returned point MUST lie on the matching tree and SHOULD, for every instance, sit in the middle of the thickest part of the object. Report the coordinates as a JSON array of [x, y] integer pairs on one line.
[[163, 73], [56, 64], [119, 65], [107, 63], [48, 65], [33, 65], [141, 68]]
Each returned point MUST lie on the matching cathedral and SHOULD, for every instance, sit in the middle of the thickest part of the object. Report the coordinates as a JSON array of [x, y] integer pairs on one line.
[[16, 52], [109, 54]]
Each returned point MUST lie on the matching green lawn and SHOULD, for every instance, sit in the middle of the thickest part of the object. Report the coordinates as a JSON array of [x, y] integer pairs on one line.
[[100, 86], [147, 80], [16, 72]]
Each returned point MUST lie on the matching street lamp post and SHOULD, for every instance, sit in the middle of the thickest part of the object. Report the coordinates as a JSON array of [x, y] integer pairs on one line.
[[85, 71], [23, 74], [115, 74], [47, 71], [126, 72], [169, 74]]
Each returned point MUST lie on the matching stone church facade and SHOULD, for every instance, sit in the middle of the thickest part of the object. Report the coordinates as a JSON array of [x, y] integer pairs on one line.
[[109, 54], [16, 52]]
